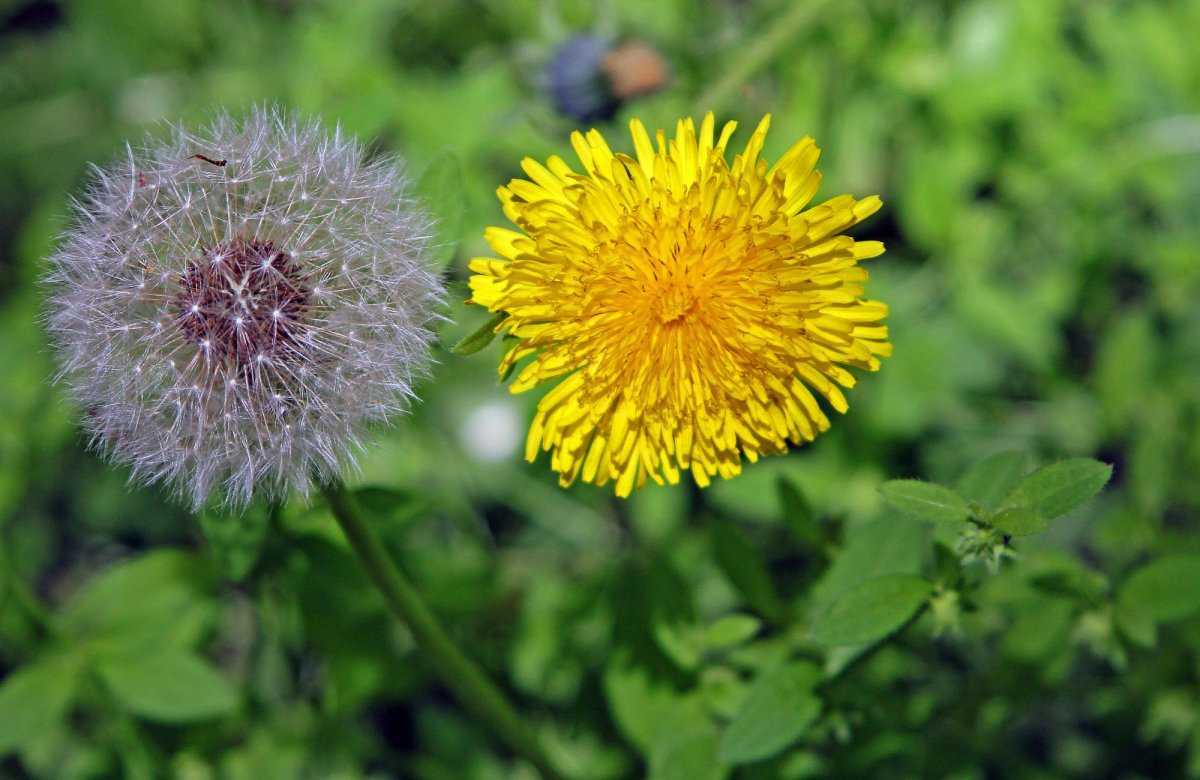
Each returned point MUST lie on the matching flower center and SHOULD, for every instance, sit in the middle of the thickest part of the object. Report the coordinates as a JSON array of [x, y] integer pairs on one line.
[[675, 302], [243, 302]]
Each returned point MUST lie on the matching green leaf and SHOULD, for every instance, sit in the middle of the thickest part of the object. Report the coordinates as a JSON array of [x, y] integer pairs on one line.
[[174, 686], [742, 564], [803, 765], [1126, 364], [895, 545], [1137, 626], [156, 589], [690, 756], [778, 709], [481, 337], [992, 478], [441, 187], [1163, 590], [925, 501], [1054, 490], [730, 631], [682, 643], [384, 503], [34, 699], [797, 513], [647, 709], [1039, 630], [1019, 521], [1072, 579], [236, 541], [723, 690], [871, 610]]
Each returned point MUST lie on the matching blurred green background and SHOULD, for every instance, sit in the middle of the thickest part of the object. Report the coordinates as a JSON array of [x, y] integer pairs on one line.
[[1039, 161]]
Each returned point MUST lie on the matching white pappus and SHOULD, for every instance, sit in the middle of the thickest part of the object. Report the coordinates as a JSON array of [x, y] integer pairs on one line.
[[233, 307]]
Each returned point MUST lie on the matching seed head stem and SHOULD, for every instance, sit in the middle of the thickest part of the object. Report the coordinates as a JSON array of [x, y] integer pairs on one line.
[[470, 684]]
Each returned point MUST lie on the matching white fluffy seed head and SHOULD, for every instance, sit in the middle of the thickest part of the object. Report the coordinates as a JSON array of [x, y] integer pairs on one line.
[[233, 307]]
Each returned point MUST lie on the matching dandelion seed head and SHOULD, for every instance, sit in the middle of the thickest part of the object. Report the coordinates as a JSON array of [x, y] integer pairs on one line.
[[193, 316]]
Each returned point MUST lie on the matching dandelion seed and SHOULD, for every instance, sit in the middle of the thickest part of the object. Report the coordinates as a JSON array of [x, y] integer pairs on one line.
[[203, 277], [687, 307]]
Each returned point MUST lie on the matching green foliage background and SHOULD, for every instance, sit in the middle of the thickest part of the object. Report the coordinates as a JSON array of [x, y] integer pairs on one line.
[[1040, 166]]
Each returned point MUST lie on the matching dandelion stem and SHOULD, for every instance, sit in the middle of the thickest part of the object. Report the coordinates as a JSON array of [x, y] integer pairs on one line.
[[470, 684], [779, 32]]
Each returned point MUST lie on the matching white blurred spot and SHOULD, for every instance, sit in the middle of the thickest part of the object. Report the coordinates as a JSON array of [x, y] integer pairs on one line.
[[491, 431], [147, 99]]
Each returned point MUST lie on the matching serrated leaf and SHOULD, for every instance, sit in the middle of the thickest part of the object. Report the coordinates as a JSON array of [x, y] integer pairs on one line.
[[871, 610], [730, 631], [745, 568], [236, 541], [778, 709], [1164, 590], [992, 478], [925, 501], [1054, 490], [441, 187], [173, 686], [34, 699], [481, 337], [1019, 521]]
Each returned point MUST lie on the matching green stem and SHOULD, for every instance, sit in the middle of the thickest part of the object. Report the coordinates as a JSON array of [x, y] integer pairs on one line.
[[752, 58], [472, 687]]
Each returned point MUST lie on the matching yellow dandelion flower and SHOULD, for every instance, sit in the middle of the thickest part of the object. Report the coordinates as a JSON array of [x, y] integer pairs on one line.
[[690, 305]]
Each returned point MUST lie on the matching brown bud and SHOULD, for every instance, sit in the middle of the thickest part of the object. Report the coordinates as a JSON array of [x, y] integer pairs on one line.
[[634, 68]]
